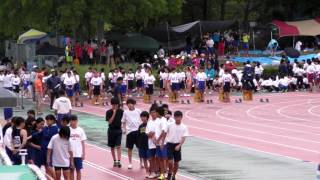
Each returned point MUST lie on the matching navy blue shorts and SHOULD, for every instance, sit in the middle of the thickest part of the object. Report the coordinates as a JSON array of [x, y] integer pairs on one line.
[[152, 153], [201, 86], [60, 117], [35, 156], [123, 89], [69, 92], [140, 83], [175, 86], [162, 153], [77, 87], [78, 163], [143, 153], [8, 113], [25, 85]]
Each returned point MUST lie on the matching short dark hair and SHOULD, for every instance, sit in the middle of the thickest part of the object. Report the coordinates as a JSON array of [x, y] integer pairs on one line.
[[115, 101], [31, 111], [62, 92], [131, 101], [65, 119], [169, 112], [153, 107], [165, 106], [144, 114], [64, 132], [73, 118], [160, 111], [178, 114], [50, 117], [119, 79]]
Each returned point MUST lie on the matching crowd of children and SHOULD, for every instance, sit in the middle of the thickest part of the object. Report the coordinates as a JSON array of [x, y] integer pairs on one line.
[[56, 149], [157, 135]]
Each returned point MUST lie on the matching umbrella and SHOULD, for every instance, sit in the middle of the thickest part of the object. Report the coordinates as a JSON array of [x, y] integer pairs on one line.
[[291, 52], [139, 42], [32, 34]]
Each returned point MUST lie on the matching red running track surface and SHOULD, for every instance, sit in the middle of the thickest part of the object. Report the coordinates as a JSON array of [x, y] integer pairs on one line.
[[287, 126]]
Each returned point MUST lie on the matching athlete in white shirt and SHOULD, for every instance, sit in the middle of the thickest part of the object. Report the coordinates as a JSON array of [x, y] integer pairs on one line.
[[69, 83], [60, 151], [88, 75], [149, 81], [130, 78], [130, 123], [201, 81], [175, 137], [150, 131], [140, 80], [175, 86], [163, 81], [77, 141], [96, 86], [62, 106]]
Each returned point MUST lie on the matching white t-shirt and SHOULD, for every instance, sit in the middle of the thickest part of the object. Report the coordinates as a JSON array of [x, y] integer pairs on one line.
[[201, 76], [1, 77], [96, 81], [7, 80], [299, 72], [16, 81], [8, 137], [161, 125], [182, 76], [130, 76], [149, 79], [163, 76], [258, 70], [77, 78], [174, 77], [64, 76], [311, 69], [151, 127], [139, 75], [221, 72], [60, 151], [298, 46], [62, 105], [284, 81], [210, 43], [77, 135], [88, 76], [132, 120], [176, 132], [226, 78], [103, 76], [69, 81]]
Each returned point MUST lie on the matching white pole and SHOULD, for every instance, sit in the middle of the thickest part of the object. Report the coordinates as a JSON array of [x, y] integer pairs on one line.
[[23, 153]]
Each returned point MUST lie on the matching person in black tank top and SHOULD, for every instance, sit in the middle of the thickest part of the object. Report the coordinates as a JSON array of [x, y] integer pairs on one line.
[[19, 139]]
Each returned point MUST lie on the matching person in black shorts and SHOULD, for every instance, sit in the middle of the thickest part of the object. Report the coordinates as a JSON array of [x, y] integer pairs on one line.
[[114, 116], [176, 136], [142, 141]]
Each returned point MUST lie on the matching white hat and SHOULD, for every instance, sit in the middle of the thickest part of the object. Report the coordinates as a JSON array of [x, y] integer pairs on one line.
[[155, 56]]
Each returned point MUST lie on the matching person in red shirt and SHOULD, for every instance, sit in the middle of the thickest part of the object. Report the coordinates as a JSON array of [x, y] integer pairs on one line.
[[78, 51], [103, 53]]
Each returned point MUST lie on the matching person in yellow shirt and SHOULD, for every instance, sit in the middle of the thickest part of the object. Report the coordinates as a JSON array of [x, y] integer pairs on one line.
[[245, 41]]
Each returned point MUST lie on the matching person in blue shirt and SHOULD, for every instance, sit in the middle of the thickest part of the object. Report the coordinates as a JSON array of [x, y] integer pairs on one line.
[[46, 134], [210, 73]]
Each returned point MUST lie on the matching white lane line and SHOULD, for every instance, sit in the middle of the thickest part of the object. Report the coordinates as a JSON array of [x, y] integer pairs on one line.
[[113, 173], [135, 159], [310, 110], [244, 129], [279, 111], [249, 113]]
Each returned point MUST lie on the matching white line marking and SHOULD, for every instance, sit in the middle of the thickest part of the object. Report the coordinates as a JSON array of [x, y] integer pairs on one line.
[[113, 173]]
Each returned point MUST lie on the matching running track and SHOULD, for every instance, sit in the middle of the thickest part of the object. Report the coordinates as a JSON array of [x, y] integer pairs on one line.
[[287, 126]]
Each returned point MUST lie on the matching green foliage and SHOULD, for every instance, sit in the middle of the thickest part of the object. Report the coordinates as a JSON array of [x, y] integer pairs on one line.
[[270, 71]]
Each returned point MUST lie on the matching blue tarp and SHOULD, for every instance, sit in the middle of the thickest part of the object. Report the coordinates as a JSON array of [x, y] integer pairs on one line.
[[272, 59]]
